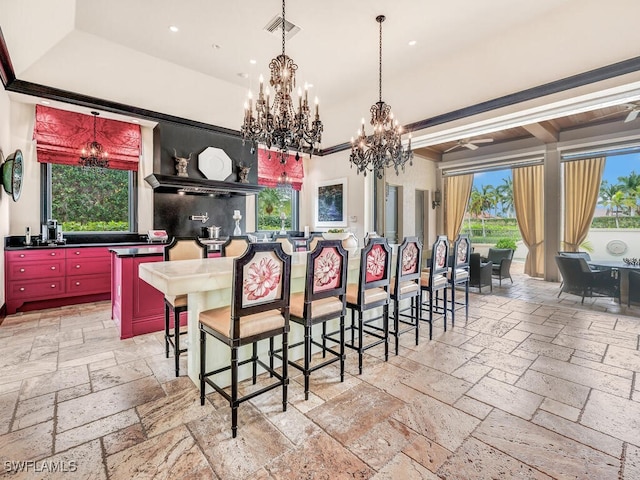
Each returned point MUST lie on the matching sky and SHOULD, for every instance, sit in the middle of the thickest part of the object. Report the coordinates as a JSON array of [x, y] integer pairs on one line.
[[615, 166]]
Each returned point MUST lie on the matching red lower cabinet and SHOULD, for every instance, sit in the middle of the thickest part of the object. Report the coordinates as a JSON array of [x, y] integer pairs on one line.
[[41, 278]]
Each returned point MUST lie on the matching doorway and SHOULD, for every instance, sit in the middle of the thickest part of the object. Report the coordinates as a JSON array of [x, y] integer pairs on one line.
[[391, 214]]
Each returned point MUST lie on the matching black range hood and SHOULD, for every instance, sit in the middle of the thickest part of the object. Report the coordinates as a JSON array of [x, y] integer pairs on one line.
[[199, 186]]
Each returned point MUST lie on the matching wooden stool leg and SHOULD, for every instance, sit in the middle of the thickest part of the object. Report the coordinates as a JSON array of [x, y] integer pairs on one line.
[[234, 391], [203, 355], [166, 330], [176, 340], [285, 370], [307, 359], [342, 355], [360, 349]]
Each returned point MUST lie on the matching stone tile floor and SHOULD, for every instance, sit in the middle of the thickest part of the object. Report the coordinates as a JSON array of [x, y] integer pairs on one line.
[[529, 387]]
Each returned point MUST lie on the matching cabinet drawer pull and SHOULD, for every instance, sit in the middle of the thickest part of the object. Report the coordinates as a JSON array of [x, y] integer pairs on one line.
[[53, 285], [53, 268], [53, 254], [77, 266], [22, 255], [77, 284], [22, 289], [22, 270], [77, 252]]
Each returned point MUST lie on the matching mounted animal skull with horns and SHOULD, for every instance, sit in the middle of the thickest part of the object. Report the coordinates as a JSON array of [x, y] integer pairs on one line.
[[181, 163]]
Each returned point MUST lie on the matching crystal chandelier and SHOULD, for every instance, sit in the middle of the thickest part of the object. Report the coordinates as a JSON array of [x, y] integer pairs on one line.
[[279, 125], [93, 154], [384, 147]]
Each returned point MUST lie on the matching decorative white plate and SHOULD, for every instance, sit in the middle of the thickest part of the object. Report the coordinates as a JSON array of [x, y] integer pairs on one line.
[[617, 247], [215, 164]]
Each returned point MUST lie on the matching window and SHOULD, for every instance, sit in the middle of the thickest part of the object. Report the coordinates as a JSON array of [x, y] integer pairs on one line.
[[89, 199], [272, 203], [490, 213]]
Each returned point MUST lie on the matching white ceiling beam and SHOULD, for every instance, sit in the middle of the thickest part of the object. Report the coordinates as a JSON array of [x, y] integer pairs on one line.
[[543, 131]]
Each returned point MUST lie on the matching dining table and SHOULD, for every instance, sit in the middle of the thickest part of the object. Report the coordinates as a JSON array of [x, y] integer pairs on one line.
[[623, 269]]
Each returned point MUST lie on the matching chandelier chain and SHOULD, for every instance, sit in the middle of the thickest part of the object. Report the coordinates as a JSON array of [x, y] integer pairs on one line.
[[383, 148], [276, 122], [283, 26], [380, 60]]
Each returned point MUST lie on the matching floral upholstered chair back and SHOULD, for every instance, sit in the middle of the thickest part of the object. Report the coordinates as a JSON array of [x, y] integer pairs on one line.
[[375, 264], [439, 255], [326, 270], [409, 261], [462, 251], [262, 279]]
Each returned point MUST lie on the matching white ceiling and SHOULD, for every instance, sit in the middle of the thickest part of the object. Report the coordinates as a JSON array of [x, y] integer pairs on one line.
[[467, 52]]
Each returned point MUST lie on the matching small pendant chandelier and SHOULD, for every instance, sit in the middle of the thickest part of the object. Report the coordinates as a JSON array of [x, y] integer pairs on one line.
[[93, 154], [279, 125], [384, 147]]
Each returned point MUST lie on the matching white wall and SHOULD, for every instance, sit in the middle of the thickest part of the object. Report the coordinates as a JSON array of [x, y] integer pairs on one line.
[[7, 147], [333, 167], [422, 176], [26, 212]]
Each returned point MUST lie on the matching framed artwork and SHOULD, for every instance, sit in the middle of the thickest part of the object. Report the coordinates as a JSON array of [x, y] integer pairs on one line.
[[331, 203]]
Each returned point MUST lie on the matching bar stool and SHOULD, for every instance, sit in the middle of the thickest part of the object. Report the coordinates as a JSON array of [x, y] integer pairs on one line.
[[180, 248], [405, 285], [235, 246], [323, 299], [458, 274], [371, 291], [259, 310], [434, 280], [313, 241], [287, 244]]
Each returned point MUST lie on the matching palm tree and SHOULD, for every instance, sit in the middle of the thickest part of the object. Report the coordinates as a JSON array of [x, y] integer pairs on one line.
[[617, 202], [505, 196], [482, 202], [607, 191], [630, 185]]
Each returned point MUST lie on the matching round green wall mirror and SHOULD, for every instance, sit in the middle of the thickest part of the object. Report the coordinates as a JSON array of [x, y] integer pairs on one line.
[[12, 172]]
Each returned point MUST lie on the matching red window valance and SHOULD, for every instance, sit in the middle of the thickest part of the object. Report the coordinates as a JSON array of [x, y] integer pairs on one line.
[[60, 136], [272, 172]]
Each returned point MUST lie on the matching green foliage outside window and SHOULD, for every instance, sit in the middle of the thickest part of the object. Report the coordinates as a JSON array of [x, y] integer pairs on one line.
[[90, 199], [271, 203]]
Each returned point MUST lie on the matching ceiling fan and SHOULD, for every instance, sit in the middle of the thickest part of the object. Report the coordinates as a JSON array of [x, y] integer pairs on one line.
[[634, 110], [468, 143]]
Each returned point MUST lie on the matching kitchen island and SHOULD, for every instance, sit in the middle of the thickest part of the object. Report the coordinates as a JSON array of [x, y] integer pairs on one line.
[[207, 283]]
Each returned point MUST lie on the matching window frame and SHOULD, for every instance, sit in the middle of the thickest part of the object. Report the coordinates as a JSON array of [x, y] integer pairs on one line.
[[295, 211], [46, 199]]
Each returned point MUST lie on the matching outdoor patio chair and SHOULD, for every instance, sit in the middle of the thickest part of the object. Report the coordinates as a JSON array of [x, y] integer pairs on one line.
[[479, 272], [501, 259], [579, 279]]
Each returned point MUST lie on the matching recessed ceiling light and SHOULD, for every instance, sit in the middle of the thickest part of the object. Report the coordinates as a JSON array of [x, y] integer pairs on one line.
[[243, 75], [252, 61], [412, 43], [173, 28], [44, 102]]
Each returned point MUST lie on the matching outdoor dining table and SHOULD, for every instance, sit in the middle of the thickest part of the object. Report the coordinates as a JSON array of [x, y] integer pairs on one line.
[[623, 269]]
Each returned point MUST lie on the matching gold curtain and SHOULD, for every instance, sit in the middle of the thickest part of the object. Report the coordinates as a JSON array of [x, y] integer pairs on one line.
[[457, 191], [581, 189], [528, 201]]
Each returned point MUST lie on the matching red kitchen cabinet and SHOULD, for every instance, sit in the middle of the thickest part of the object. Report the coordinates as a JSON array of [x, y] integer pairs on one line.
[[49, 277]]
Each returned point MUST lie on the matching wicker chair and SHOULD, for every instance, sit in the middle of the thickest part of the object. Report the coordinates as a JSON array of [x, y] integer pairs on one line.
[[579, 279]]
